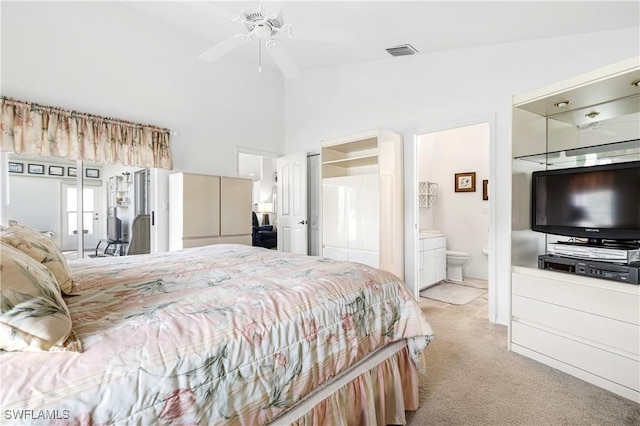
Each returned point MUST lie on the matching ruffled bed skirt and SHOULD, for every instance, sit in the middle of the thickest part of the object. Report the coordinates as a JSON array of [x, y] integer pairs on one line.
[[379, 396]]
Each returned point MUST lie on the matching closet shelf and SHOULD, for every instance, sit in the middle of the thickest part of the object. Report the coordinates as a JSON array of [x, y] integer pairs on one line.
[[363, 160], [616, 152]]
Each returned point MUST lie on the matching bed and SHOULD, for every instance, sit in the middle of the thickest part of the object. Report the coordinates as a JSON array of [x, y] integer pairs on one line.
[[224, 334]]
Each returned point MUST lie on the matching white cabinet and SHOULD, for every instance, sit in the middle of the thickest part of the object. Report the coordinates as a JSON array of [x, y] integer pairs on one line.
[[362, 200], [433, 261], [205, 209], [350, 206], [587, 327]]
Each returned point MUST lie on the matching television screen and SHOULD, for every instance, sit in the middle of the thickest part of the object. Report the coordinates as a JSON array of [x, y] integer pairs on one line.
[[597, 202], [114, 229]]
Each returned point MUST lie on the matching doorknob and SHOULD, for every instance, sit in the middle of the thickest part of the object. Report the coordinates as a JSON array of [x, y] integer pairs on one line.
[[303, 222]]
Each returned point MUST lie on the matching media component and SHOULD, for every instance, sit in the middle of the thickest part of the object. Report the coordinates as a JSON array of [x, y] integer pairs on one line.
[[606, 253], [598, 203], [590, 268]]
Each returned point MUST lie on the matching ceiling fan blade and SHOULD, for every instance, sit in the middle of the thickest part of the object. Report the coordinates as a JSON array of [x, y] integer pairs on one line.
[[318, 33], [282, 59], [224, 47], [272, 8]]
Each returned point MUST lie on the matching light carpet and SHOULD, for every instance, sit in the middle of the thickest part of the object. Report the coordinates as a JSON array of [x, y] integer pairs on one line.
[[451, 293]]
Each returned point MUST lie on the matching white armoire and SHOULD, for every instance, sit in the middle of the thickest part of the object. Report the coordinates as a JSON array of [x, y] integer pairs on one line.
[[205, 209], [362, 200]]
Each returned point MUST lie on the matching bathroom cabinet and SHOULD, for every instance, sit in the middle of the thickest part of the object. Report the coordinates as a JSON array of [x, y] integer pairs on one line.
[[362, 199], [432, 259], [586, 327]]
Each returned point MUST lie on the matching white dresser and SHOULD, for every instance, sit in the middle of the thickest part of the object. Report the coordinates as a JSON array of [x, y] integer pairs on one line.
[[587, 327]]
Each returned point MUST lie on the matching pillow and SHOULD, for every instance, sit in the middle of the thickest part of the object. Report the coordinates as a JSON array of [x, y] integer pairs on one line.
[[33, 315], [43, 249]]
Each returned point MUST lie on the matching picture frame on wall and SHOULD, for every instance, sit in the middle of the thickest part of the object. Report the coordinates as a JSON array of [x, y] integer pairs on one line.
[[56, 171], [92, 173], [35, 169], [72, 172], [16, 167], [465, 182], [485, 189]]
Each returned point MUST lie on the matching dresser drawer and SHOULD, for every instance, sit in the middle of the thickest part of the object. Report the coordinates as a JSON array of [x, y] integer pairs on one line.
[[596, 329], [619, 369], [608, 299], [433, 243]]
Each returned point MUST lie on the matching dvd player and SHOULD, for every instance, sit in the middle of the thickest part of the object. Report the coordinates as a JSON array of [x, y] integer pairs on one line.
[[623, 254], [590, 268]]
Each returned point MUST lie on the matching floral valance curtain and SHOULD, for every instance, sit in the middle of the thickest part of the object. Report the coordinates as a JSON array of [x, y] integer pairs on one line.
[[32, 129]]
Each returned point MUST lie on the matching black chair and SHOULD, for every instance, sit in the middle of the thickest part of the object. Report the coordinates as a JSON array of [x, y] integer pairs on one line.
[[140, 241], [263, 236]]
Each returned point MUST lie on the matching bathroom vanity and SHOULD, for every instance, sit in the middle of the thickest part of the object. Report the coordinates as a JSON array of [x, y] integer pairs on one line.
[[432, 258]]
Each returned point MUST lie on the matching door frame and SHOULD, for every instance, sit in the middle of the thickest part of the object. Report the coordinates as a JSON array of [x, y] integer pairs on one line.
[[411, 205]]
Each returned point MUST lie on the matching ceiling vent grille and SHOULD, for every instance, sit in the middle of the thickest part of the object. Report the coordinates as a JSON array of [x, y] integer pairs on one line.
[[402, 50]]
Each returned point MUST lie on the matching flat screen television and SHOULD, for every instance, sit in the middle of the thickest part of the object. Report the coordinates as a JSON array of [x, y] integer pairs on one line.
[[114, 229], [600, 203]]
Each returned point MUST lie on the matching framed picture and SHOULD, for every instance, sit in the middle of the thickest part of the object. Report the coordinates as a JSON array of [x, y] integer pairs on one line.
[[92, 173], [16, 167], [72, 172], [35, 169], [466, 182], [485, 189], [56, 170]]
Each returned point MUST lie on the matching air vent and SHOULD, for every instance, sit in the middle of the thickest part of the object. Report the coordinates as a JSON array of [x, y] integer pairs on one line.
[[402, 50]]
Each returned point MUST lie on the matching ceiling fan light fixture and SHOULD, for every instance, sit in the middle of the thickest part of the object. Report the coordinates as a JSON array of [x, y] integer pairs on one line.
[[268, 27], [402, 50]]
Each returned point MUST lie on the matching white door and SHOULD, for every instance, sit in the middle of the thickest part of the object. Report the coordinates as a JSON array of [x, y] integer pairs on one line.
[[92, 200], [159, 209], [292, 203]]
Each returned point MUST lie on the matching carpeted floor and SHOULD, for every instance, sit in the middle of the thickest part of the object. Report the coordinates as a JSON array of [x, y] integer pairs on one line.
[[473, 380]]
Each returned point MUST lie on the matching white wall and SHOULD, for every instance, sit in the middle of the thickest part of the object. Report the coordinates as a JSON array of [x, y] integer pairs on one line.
[[462, 216], [108, 59], [428, 90]]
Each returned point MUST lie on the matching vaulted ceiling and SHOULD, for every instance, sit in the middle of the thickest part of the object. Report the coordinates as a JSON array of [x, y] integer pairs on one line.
[[428, 26]]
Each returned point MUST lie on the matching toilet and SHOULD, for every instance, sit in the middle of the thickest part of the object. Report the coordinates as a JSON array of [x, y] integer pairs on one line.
[[455, 261]]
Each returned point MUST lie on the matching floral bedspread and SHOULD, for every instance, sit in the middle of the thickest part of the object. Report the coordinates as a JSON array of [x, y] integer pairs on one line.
[[223, 334]]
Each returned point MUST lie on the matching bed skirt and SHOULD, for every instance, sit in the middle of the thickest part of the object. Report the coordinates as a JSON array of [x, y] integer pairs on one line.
[[376, 393]]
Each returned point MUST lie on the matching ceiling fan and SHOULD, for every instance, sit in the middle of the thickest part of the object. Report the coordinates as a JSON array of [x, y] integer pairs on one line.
[[270, 27]]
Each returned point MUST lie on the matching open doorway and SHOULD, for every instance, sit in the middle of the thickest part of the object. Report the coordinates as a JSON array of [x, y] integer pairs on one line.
[[260, 167], [453, 170]]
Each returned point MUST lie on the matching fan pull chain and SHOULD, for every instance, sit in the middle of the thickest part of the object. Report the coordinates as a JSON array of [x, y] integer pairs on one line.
[[259, 56]]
